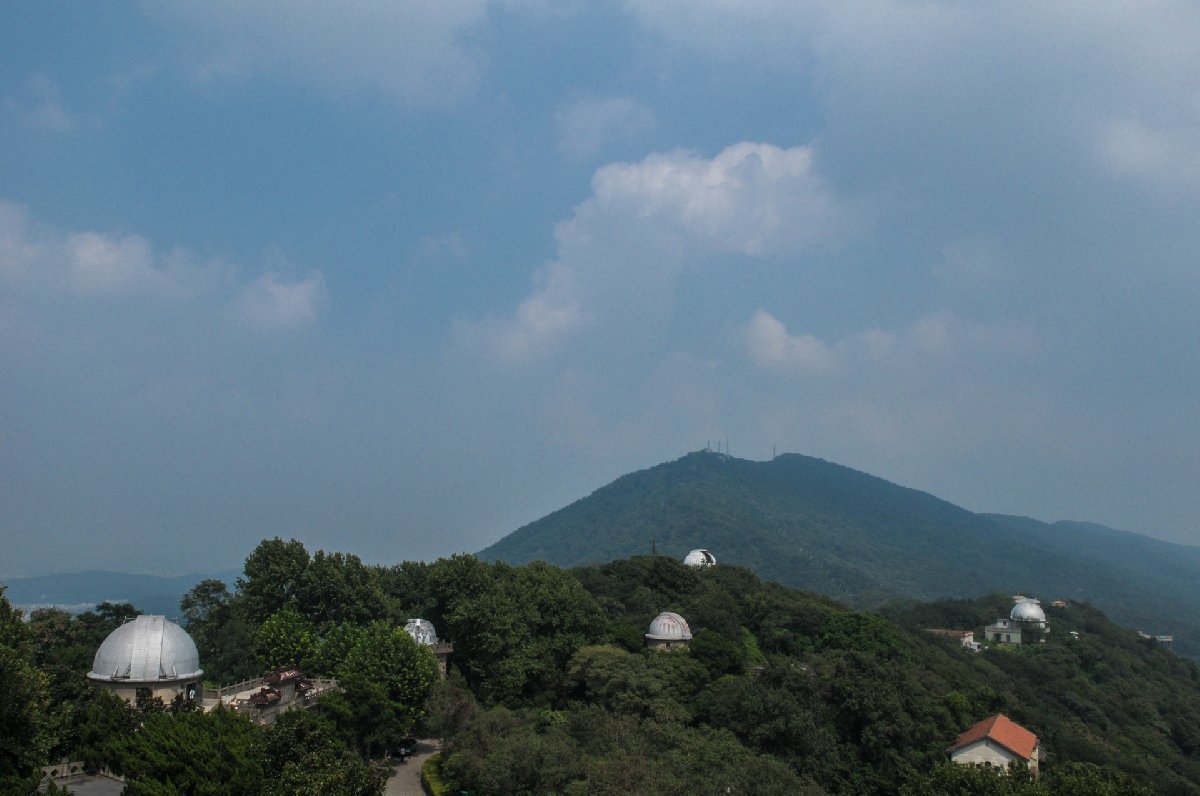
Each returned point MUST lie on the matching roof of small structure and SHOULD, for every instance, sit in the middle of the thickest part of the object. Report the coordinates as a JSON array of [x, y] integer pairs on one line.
[[1028, 610], [422, 631], [147, 650], [669, 626], [1002, 730], [700, 558]]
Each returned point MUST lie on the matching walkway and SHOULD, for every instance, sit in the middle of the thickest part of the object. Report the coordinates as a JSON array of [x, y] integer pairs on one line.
[[405, 779]]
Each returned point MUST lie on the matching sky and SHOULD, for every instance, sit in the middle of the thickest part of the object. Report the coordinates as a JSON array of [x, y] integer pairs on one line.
[[395, 278]]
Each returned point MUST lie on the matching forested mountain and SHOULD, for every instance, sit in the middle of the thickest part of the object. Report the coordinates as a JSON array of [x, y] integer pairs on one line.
[[552, 689], [817, 525]]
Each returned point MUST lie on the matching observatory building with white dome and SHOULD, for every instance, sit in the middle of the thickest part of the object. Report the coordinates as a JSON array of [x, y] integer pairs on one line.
[[151, 654], [700, 558], [423, 632], [668, 631], [1026, 615]]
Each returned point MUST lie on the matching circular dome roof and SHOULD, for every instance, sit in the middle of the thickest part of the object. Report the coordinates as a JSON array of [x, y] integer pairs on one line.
[[1028, 610], [700, 558], [422, 631], [668, 626], [149, 649]]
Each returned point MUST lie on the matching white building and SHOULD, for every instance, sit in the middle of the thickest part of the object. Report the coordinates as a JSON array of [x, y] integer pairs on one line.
[[996, 742], [668, 631], [423, 632], [151, 654], [700, 558]]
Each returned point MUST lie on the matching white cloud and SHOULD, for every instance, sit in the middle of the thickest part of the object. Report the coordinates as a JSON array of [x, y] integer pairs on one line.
[[271, 303], [770, 346], [645, 222], [588, 124], [91, 265], [415, 51], [939, 337], [41, 107], [1163, 156]]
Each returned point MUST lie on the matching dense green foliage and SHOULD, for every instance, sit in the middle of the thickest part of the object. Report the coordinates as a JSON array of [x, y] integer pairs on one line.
[[806, 694], [551, 688], [815, 525]]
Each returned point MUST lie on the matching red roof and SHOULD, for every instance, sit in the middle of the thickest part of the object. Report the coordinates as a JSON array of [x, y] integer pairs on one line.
[[1001, 730]]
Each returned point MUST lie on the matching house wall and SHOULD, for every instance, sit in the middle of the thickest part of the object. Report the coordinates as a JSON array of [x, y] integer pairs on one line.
[[983, 752]]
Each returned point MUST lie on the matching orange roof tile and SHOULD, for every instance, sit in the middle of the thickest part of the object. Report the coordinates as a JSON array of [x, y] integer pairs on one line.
[[1002, 730]]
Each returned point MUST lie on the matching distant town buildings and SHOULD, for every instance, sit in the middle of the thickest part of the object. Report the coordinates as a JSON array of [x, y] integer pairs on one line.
[[997, 742], [1166, 642]]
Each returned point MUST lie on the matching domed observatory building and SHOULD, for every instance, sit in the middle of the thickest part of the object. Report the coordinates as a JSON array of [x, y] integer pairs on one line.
[[1029, 613], [668, 631], [151, 654], [700, 558], [1026, 615], [423, 633]]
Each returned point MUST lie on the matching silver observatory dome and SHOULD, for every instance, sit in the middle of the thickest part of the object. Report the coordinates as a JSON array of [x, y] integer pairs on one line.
[[149, 649], [669, 626], [1028, 610], [700, 558]]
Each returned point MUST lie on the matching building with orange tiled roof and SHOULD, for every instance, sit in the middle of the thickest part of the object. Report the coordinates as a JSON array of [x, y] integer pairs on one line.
[[996, 741]]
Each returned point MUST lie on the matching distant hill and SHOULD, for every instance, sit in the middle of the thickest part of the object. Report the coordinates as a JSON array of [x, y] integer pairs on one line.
[[153, 594], [812, 524]]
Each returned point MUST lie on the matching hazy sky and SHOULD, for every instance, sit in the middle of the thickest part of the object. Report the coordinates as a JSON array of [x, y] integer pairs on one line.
[[395, 278]]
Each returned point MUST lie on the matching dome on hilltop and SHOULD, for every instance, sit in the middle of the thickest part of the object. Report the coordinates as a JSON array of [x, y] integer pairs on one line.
[[422, 631], [700, 558], [149, 649], [669, 626], [1028, 610]]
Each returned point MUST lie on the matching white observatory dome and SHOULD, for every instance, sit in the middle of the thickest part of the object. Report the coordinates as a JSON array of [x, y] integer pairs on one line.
[[1028, 610], [700, 558], [147, 650], [668, 626], [422, 631]]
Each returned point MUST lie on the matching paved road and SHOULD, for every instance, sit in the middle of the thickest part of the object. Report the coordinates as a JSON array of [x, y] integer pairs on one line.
[[406, 777]]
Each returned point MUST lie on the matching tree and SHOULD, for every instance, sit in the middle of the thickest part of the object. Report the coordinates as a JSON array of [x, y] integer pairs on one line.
[[514, 628], [274, 577], [24, 731], [205, 609], [337, 587], [386, 680], [191, 752], [285, 639], [300, 755]]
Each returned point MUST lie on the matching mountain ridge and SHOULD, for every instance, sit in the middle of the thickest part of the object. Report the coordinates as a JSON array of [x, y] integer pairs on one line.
[[818, 525]]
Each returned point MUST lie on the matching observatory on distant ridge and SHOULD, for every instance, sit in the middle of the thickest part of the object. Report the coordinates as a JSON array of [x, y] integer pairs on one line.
[[700, 558]]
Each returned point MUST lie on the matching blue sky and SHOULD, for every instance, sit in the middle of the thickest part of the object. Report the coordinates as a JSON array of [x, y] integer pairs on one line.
[[396, 278]]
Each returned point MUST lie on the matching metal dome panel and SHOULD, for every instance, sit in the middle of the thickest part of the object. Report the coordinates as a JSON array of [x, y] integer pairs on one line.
[[669, 626], [422, 631], [1028, 610], [149, 649], [700, 558]]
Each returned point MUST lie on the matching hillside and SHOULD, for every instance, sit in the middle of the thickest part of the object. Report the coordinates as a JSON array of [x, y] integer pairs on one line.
[[816, 525]]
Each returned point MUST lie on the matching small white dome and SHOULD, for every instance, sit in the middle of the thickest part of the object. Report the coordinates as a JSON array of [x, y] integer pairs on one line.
[[422, 631], [1028, 610], [149, 649], [700, 558], [669, 626]]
